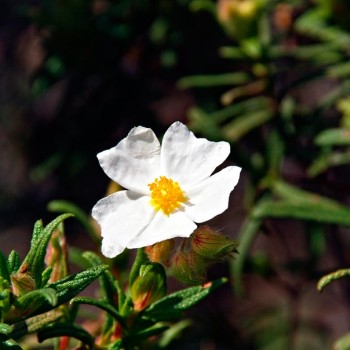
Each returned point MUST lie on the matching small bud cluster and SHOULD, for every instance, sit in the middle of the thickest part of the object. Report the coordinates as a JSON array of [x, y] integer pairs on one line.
[[189, 263]]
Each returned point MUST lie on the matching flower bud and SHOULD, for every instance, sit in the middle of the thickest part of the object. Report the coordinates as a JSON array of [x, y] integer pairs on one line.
[[160, 252], [149, 286], [211, 244], [56, 256], [239, 17], [22, 283], [188, 267]]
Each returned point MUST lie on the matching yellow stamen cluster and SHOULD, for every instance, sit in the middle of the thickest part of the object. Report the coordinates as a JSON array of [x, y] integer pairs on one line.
[[166, 195]]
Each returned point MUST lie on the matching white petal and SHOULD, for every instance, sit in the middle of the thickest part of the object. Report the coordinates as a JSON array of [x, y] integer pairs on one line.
[[135, 161], [164, 227], [211, 196], [122, 216], [188, 159]]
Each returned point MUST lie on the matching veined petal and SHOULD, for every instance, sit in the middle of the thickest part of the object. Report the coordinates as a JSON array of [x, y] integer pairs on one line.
[[163, 227], [188, 159], [210, 197], [135, 161], [122, 216]]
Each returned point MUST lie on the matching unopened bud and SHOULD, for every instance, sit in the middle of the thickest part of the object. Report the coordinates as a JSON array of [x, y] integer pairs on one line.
[[160, 252], [188, 267], [239, 17], [149, 286], [56, 256], [211, 244], [22, 283]]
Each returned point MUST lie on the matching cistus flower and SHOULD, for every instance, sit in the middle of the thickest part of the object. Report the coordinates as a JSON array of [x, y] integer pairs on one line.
[[169, 187]]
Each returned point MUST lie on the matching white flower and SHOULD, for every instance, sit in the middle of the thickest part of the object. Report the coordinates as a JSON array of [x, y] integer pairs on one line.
[[169, 187]]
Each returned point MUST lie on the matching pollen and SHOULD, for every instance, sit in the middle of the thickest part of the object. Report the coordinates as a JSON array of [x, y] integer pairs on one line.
[[166, 195]]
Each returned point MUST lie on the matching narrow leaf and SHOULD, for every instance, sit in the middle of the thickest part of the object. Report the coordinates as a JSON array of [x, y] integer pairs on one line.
[[213, 80], [333, 137], [246, 123], [108, 283], [34, 262], [246, 237], [343, 343], [46, 275], [37, 230], [35, 323], [328, 160], [5, 331], [136, 338], [304, 211], [70, 286], [325, 280], [9, 345], [32, 301], [4, 273], [13, 262], [66, 329], [69, 207], [101, 305], [141, 258], [117, 345], [171, 306]]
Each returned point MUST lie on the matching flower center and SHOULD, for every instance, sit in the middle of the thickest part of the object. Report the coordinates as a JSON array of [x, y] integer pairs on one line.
[[166, 195]]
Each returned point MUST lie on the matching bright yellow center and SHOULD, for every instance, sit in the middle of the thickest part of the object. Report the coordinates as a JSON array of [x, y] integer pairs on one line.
[[166, 195]]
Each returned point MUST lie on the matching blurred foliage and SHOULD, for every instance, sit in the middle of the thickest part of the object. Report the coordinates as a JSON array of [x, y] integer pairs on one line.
[[284, 105]]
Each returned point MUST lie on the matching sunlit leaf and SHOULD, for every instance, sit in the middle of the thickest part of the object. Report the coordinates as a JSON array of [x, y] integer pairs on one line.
[[171, 306], [325, 280]]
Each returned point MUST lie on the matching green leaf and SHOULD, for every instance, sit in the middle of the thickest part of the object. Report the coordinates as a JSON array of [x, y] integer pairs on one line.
[[66, 329], [333, 137], [340, 70], [103, 305], [35, 323], [118, 345], [302, 205], [13, 262], [109, 285], [69, 207], [238, 128], [46, 275], [70, 286], [141, 259], [9, 345], [38, 228], [325, 280], [343, 343], [313, 23], [213, 80], [304, 211], [34, 261], [136, 338], [275, 152], [5, 331], [247, 234], [32, 301], [173, 333], [232, 52], [328, 160], [4, 273], [171, 306]]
